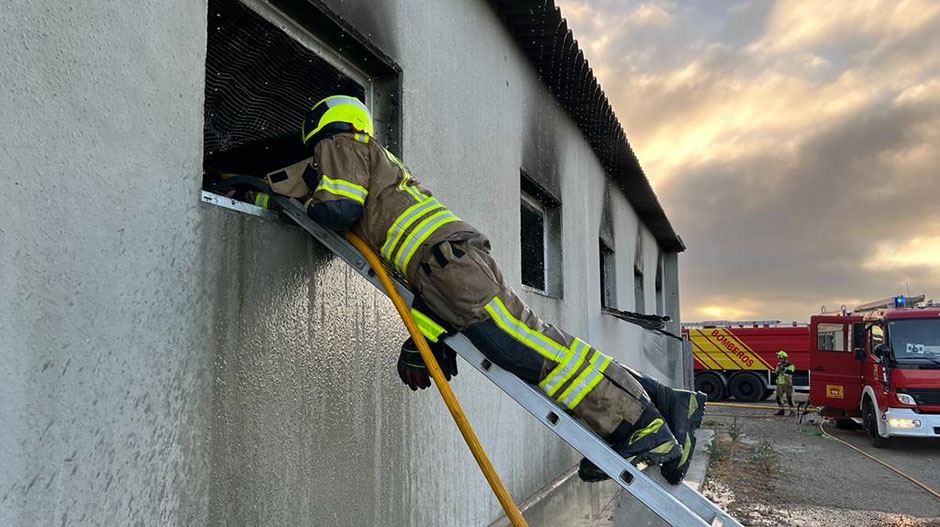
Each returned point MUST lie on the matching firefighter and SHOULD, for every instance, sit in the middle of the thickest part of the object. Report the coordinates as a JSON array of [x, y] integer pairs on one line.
[[365, 189], [784, 372]]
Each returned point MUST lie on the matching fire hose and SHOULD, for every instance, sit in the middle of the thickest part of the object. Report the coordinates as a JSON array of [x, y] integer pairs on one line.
[[827, 435], [512, 512]]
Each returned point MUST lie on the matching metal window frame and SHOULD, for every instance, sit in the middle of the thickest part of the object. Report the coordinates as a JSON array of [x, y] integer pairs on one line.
[[533, 203], [298, 33]]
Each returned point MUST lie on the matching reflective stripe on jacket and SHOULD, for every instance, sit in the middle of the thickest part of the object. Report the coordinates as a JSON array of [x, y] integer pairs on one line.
[[364, 188], [785, 373]]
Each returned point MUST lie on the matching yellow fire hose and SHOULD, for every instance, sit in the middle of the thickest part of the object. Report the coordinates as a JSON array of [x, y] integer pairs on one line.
[[751, 405], [827, 435], [897, 471], [512, 512]]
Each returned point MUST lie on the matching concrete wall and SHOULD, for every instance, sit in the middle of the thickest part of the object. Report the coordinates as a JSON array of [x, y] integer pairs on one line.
[[105, 356], [166, 362]]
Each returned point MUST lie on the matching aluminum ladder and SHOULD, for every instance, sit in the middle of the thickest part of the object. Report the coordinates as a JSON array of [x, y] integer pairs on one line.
[[677, 505]]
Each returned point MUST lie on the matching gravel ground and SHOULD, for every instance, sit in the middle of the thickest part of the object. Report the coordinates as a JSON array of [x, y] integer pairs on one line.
[[808, 480]]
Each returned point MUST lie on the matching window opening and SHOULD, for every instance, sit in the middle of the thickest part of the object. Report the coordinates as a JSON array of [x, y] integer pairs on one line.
[[638, 293], [264, 71], [608, 273], [540, 236], [877, 336], [533, 243], [659, 287], [831, 337]]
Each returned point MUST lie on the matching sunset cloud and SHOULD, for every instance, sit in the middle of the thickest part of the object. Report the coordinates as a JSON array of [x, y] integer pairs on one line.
[[793, 143]]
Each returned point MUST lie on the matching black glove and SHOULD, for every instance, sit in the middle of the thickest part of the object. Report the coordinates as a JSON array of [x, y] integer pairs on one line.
[[411, 366]]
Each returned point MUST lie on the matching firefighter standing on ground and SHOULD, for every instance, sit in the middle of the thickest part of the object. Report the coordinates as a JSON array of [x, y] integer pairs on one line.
[[784, 372], [362, 187]]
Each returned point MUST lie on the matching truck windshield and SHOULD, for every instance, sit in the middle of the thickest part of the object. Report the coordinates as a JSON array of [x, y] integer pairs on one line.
[[915, 339]]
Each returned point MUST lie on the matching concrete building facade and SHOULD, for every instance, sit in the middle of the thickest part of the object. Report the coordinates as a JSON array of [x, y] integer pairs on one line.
[[167, 361]]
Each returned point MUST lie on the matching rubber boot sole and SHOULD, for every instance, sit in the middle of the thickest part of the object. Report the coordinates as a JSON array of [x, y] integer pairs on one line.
[[591, 473]]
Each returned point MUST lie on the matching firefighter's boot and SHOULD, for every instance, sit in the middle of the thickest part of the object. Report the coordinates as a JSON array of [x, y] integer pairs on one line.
[[779, 412], [649, 441], [683, 411]]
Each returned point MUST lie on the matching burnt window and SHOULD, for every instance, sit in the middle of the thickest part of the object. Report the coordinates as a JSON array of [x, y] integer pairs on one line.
[[267, 64], [659, 287], [533, 243], [540, 239], [608, 273], [638, 293]]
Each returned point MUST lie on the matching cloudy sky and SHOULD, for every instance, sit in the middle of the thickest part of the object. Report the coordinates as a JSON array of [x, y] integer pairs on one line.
[[794, 144]]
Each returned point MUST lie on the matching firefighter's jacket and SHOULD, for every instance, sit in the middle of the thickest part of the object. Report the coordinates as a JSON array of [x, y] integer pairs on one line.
[[402, 218], [785, 372]]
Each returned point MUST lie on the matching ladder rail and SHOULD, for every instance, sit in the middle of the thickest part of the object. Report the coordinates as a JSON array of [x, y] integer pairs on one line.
[[677, 505]]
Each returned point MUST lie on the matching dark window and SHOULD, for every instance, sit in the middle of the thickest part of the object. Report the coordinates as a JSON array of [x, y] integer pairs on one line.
[[659, 287], [639, 295], [608, 273], [831, 337], [533, 244], [260, 82], [540, 238]]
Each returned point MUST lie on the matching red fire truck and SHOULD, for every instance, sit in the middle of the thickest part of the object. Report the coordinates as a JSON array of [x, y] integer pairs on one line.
[[737, 358], [880, 363]]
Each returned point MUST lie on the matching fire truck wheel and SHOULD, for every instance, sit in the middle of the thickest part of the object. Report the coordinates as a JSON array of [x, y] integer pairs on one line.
[[871, 425], [711, 384], [746, 387]]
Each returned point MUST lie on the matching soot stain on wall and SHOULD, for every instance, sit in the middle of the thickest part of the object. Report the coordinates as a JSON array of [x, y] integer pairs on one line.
[[541, 151]]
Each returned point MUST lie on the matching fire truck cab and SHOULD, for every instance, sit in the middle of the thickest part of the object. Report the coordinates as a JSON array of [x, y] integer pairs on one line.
[[881, 364]]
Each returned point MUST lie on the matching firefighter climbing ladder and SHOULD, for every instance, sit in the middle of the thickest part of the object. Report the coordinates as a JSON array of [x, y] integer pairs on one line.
[[677, 505]]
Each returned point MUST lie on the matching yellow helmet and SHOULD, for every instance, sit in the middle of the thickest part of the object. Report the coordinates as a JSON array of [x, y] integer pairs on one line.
[[333, 115], [781, 354]]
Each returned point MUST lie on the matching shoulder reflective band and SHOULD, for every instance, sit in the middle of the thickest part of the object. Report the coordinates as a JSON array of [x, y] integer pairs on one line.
[[545, 346], [576, 354], [362, 138], [430, 329], [584, 383], [420, 234], [403, 221], [343, 188]]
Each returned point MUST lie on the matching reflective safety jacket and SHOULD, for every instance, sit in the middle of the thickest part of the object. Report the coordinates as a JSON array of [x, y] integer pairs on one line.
[[365, 189], [784, 372]]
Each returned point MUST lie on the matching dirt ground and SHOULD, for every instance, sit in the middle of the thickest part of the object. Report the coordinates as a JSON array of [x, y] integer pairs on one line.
[[773, 471]]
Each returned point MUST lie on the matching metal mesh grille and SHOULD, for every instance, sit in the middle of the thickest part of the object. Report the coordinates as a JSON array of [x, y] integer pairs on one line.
[[533, 247], [259, 84]]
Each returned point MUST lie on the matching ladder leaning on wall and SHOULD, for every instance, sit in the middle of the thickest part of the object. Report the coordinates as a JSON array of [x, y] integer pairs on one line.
[[677, 505]]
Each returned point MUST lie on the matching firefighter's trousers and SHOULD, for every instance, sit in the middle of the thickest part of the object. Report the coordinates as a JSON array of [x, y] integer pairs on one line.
[[784, 389], [459, 281]]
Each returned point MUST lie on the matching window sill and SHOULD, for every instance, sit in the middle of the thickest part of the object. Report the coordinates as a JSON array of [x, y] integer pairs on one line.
[[240, 206], [530, 289]]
